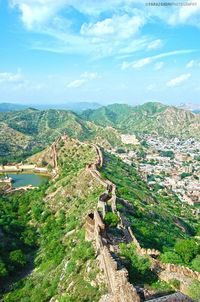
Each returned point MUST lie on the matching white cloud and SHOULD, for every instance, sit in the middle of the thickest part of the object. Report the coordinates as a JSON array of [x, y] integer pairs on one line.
[[118, 34], [145, 61], [37, 12], [154, 44], [122, 27], [141, 63], [84, 78], [178, 80], [76, 83], [186, 15], [193, 63], [190, 64], [158, 65], [10, 77], [98, 37]]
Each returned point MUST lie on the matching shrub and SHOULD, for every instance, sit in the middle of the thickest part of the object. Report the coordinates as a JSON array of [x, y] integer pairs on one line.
[[111, 219], [175, 283], [196, 263], [3, 270], [171, 257], [187, 249], [18, 258], [194, 291], [137, 266]]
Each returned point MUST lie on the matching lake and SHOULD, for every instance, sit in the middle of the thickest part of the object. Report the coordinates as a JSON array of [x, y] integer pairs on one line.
[[24, 179]]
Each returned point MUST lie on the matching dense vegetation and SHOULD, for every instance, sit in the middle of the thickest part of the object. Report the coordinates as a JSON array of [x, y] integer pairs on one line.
[[18, 238], [48, 225]]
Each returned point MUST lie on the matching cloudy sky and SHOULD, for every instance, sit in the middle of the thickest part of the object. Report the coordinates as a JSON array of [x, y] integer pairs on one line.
[[99, 50]]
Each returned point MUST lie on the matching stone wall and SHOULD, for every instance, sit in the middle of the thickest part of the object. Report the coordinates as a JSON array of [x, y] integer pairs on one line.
[[180, 270], [168, 267], [116, 276], [117, 279], [151, 252], [176, 297]]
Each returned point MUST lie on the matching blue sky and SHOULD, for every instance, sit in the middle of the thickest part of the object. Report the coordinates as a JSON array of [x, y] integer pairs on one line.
[[96, 50]]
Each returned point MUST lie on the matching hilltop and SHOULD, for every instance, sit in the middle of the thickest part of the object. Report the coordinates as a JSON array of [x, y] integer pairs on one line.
[[28, 131], [150, 117]]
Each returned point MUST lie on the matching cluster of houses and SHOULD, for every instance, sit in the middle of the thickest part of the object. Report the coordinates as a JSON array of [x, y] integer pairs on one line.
[[169, 164]]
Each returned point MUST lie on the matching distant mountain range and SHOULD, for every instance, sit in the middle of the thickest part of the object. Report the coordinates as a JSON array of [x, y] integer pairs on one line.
[[6, 107], [76, 107], [147, 118], [23, 132]]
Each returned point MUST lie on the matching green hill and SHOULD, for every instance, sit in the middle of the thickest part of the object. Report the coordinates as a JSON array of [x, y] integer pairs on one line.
[[28, 131], [42, 235], [150, 117]]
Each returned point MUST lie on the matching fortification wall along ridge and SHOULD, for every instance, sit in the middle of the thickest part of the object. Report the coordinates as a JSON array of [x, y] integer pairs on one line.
[[116, 277]]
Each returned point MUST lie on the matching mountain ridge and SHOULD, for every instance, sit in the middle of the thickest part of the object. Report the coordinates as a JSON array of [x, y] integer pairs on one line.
[[147, 118], [29, 130], [73, 106]]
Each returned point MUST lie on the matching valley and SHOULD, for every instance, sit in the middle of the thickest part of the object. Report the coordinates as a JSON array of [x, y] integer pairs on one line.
[[105, 225]]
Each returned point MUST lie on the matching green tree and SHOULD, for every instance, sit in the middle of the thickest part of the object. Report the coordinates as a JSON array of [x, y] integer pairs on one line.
[[196, 263], [29, 237], [18, 258], [111, 218], [3, 270], [171, 257], [184, 175], [167, 153], [138, 266], [187, 249]]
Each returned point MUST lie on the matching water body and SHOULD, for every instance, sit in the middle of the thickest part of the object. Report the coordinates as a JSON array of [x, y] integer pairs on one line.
[[24, 179]]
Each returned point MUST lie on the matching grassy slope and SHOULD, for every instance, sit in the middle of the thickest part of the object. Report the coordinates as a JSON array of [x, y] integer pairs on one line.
[[155, 217], [65, 265], [8, 138], [32, 129]]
